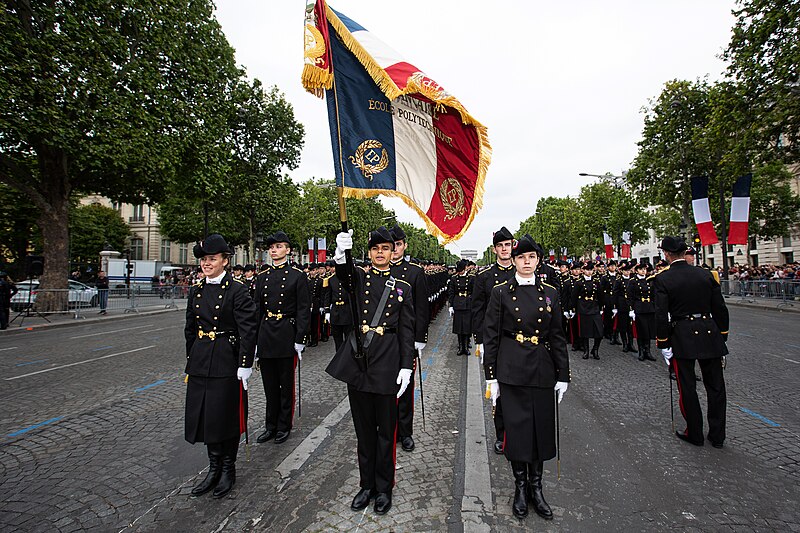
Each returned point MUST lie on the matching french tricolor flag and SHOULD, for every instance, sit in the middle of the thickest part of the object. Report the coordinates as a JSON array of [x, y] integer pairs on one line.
[[394, 130], [552, 254], [702, 213], [609, 244], [740, 210], [625, 251]]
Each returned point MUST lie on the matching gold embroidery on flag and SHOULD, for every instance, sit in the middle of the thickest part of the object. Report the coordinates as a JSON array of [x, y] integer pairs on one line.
[[452, 195], [368, 160]]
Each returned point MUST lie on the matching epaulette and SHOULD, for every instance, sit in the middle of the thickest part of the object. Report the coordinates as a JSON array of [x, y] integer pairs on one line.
[[659, 272], [484, 269], [197, 283], [548, 285], [238, 281], [402, 281], [500, 284], [295, 268]]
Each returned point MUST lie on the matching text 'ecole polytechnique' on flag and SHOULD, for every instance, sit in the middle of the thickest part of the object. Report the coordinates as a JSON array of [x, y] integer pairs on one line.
[[394, 130]]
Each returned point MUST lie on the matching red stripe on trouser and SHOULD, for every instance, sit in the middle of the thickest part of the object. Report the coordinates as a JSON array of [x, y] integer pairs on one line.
[[680, 393], [291, 417], [633, 328], [394, 448], [616, 321]]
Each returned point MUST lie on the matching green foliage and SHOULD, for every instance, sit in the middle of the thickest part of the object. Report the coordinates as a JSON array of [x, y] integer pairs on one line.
[[91, 227], [423, 245], [18, 231]]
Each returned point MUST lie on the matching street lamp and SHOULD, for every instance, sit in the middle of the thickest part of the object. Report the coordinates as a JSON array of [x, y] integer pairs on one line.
[[616, 181]]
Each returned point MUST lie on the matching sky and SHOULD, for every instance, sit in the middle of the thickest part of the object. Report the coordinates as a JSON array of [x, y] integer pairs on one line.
[[559, 85]]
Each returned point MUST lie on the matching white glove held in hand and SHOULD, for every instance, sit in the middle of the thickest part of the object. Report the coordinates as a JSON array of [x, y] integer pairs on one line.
[[572, 314], [561, 388], [344, 241], [299, 349], [667, 353], [480, 352], [328, 318], [566, 315], [403, 379], [613, 312], [632, 314], [451, 311], [494, 390], [419, 346], [244, 374]]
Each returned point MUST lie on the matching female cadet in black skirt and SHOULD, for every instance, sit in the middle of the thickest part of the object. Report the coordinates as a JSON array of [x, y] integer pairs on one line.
[[526, 360], [460, 298], [220, 346], [586, 294], [642, 303]]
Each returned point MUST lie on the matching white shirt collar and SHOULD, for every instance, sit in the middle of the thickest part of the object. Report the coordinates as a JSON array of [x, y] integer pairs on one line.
[[215, 281], [525, 281], [587, 278]]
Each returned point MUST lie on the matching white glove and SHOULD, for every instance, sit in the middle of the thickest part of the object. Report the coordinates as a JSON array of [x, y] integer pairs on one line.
[[419, 346], [244, 374], [613, 313], [479, 351], [632, 314], [667, 353], [566, 315], [321, 310], [344, 241], [561, 388], [451, 311], [572, 314], [328, 318], [299, 349], [403, 379], [494, 390]]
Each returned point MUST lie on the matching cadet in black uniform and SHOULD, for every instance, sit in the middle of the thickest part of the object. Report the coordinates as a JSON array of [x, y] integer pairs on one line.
[[414, 275], [376, 381], [586, 303], [485, 280], [692, 324], [460, 296], [339, 312], [623, 307], [250, 279], [607, 281], [526, 359], [283, 307], [315, 317], [220, 344], [643, 309]]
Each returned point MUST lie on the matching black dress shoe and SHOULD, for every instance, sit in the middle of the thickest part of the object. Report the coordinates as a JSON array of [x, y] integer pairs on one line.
[[383, 502], [499, 447], [267, 435], [685, 437], [717, 445], [407, 443], [362, 499], [281, 436]]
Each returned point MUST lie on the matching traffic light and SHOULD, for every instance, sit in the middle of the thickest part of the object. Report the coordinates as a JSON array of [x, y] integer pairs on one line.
[[696, 239]]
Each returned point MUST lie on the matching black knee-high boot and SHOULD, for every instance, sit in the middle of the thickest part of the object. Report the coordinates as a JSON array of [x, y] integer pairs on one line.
[[647, 354], [536, 496], [520, 505], [228, 478], [214, 470], [595, 348], [585, 348]]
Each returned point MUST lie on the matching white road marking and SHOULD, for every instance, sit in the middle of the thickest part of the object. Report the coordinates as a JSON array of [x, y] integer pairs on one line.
[[80, 362], [112, 331], [12, 348], [784, 358]]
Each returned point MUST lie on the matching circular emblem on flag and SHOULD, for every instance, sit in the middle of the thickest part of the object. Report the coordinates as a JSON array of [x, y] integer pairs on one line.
[[452, 195], [368, 160], [314, 45]]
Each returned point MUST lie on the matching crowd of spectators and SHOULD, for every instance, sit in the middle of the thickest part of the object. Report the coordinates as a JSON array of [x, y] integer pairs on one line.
[[765, 272]]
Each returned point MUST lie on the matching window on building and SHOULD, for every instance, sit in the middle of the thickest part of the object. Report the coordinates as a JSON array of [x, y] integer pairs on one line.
[[730, 247], [754, 259], [787, 242], [710, 262], [137, 248], [710, 249], [788, 257], [183, 253], [138, 213], [753, 243], [166, 250]]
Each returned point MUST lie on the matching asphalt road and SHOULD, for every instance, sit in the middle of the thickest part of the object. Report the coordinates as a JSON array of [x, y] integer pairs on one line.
[[91, 438]]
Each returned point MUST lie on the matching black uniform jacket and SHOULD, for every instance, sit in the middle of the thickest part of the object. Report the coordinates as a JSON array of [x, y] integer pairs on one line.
[[388, 352], [586, 296], [640, 295], [607, 281], [337, 300], [226, 316], [485, 280], [537, 356], [621, 294], [460, 292], [550, 275], [284, 303], [691, 315], [414, 275]]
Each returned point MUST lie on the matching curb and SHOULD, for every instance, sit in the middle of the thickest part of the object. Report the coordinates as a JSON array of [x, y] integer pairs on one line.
[[756, 305], [69, 323]]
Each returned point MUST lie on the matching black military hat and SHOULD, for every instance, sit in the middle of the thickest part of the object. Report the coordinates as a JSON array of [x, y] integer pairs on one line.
[[397, 233], [380, 236], [625, 265], [524, 245], [213, 244], [502, 235], [238, 267], [650, 268], [673, 244], [643, 264], [330, 263], [691, 251], [248, 267], [611, 262], [663, 263], [574, 265], [561, 262], [461, 265], [599, 263], [278, 236], [588, 265]]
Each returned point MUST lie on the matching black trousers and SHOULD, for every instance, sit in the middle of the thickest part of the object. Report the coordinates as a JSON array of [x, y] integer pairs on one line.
[[314, 327], [277, 375], [4, 312], [339, 334], [499, 424], [405, 407], [375, 421], [714, 382]]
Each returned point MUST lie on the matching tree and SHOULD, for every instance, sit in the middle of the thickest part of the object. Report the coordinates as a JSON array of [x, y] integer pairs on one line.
[[128, 99], [553, 225], [19, 233], [91, 228]]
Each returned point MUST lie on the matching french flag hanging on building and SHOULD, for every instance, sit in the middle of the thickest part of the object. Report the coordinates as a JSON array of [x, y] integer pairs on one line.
[[625, 250], [609, 244], [394, 130], [702, 213], [740, 210]]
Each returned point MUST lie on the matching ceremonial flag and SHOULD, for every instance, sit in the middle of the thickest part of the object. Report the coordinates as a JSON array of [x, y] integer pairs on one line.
[[702, 213], [609, 244], [563, 254], [740, 210], [394, 130], [625, 251], [552, 254]]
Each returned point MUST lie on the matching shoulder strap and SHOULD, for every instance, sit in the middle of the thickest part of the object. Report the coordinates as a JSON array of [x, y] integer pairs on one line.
[[387, 289]]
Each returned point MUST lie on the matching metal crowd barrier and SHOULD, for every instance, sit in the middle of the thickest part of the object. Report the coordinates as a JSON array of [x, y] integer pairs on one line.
[[786, 291], [83, 303]]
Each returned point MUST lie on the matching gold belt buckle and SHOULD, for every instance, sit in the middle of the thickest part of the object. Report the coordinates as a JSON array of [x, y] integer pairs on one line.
[[365, 329], [270, 314], [520, 338], [210, 334]]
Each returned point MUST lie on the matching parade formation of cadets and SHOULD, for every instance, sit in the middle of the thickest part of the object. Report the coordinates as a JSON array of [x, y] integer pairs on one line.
[[292, 308]]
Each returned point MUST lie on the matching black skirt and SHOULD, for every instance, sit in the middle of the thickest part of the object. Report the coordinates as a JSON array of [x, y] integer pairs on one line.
[[590, 326], [214, 409], [529, 417], [646, 326], [462, 322]]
